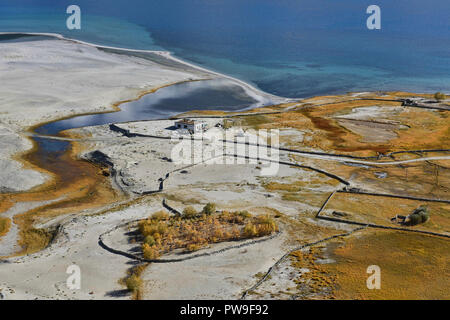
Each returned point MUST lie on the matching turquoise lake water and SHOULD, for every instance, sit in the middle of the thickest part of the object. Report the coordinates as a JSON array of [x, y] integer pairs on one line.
[[289, 48]]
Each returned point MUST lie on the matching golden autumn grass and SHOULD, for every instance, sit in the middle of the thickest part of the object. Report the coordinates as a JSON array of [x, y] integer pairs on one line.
[[81, 186], [404, 94], [429, 179], [413, 266], [315, 117], [427, 129], [317, 283], [300, 185], [5, 224], [379, 210], [5, 204], [304, 191]]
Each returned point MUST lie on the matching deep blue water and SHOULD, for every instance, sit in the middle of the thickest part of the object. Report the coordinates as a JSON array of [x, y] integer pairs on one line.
[[292, 48]]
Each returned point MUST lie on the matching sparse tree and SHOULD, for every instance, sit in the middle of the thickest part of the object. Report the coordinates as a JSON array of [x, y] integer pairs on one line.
[[209, 208], [419, 215], [439, 96]]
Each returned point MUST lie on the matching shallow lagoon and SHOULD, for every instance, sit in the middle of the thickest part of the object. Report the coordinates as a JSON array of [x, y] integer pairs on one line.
[[217, 94], [197, 95]]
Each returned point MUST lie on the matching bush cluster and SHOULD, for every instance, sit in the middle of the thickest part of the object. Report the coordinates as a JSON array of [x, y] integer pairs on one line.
[[439, 96], [419, 215], [194, 230]]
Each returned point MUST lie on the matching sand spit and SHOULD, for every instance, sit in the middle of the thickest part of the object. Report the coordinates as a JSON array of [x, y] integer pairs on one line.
[[264, 98]]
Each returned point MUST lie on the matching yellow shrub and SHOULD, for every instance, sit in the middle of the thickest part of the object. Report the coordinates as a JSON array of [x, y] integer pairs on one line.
[[149, 252], [192, 247], [250, 230], [133, 283], [160, 215], [189, 212]]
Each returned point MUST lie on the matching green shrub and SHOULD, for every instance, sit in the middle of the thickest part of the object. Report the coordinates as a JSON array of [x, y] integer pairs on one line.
[[414, 219], [149, 240], [209, 209], [425, 216], [419, 215], [439, 96]]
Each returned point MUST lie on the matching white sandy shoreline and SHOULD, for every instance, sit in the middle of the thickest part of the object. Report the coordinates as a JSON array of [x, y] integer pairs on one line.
[[262, 97]]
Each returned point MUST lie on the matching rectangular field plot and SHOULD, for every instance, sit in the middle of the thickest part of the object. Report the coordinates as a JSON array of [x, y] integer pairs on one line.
[[381, 210]]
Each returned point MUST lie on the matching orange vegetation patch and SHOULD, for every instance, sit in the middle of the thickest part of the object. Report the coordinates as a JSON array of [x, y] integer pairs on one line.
[[162, 234], [403, 94], [323, 131], [342, 139], [413, 266], [312, 198], [428, 130], [5, 224], [80, 184], [5, 204], [300, 185]]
